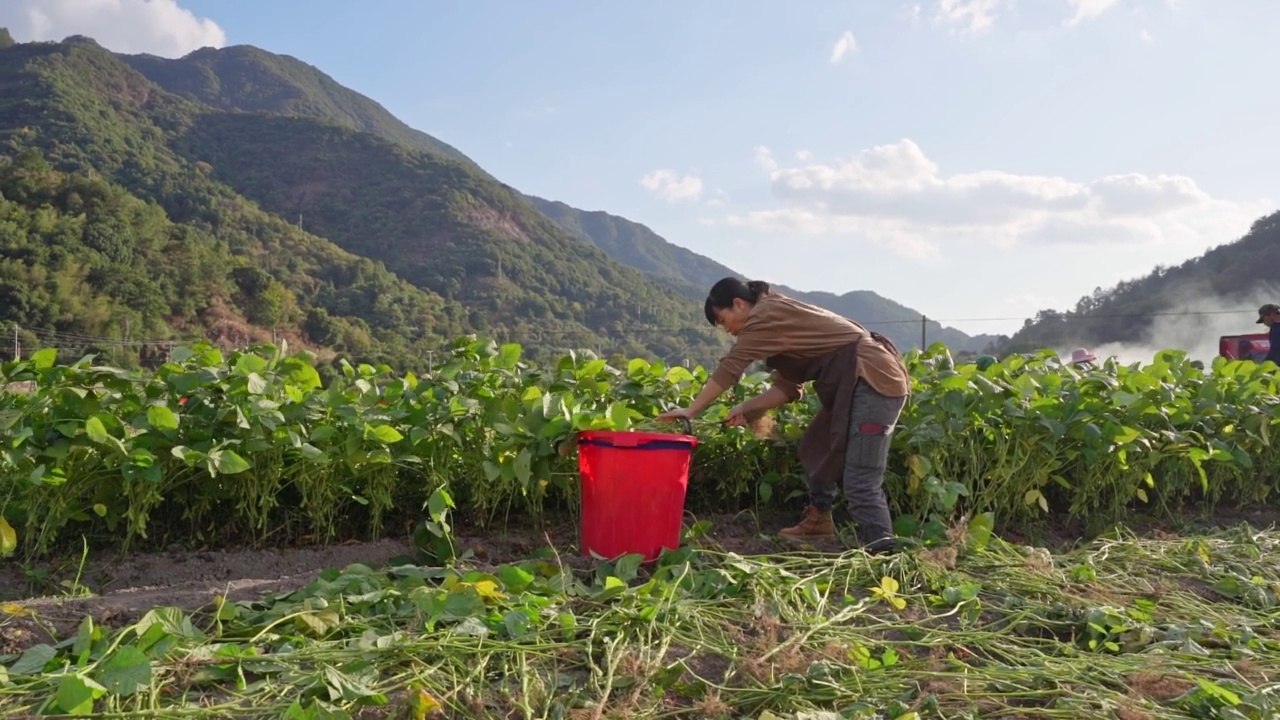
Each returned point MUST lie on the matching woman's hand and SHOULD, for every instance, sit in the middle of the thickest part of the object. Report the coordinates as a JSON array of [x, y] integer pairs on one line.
[[677, 414], [737, 416]]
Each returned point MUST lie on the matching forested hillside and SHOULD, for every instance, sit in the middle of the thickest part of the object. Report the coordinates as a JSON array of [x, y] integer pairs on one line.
[[81, 256], [442, 223]]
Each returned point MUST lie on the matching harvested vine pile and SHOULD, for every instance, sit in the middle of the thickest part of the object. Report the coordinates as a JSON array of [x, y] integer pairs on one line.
[[1126, 627]]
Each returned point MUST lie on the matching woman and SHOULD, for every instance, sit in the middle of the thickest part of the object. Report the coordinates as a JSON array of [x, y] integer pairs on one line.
[[861, 382]]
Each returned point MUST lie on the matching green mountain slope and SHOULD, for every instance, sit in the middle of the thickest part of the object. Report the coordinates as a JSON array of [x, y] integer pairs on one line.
[[245, 78], [159, 247], [442, 226], [252, 80], [1233, 276], [440, 222]]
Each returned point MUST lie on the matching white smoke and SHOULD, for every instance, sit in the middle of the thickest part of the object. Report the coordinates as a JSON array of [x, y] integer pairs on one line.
[[1192, 323]]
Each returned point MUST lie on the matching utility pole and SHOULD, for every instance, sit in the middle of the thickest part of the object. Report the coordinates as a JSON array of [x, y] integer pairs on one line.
[[499, 266], [17, 349], [924, 325], [431, 356]]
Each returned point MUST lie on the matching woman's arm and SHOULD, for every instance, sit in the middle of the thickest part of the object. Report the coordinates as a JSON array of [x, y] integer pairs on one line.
[[710, 391], [774, 397]]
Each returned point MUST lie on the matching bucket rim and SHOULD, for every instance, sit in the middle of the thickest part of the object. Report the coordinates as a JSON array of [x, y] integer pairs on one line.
[[635, 436]]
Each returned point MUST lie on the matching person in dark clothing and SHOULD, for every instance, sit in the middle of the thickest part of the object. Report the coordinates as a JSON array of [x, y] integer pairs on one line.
[[1269, 315]]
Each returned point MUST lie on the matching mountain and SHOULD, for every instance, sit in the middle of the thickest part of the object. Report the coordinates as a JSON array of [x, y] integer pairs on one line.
[[108, 236], [1181, 307], [638, 246], [250, 80], [471, 248], [247, 79]]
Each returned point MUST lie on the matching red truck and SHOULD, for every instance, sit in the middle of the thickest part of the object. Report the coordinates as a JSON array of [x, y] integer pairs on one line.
[[1254, 346]]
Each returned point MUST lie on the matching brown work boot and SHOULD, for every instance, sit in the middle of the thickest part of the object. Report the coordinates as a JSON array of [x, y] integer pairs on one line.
[[814, 524]]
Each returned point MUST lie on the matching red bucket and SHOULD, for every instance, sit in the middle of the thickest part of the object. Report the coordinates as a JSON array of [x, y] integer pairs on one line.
[[633, 486]]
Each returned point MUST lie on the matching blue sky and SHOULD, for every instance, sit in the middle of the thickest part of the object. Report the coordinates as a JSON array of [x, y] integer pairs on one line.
[[969, 158]]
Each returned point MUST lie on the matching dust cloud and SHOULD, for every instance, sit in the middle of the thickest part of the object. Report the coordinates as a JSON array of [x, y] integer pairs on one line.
[[1197, 331]]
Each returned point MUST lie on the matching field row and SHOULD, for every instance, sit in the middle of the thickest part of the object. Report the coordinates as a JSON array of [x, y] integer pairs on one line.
[[251, 448], [1125, 628]]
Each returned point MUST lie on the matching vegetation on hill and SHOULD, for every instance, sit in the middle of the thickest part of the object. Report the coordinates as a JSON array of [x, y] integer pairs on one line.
[[248, 79], [1232, 274], [440, 222], [83, 258], [442, 226]]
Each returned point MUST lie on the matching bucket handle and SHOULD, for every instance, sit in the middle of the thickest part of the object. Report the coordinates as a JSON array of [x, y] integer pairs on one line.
[[688, 426]]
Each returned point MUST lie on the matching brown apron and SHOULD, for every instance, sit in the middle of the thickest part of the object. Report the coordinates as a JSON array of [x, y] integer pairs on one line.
[[834, 375]]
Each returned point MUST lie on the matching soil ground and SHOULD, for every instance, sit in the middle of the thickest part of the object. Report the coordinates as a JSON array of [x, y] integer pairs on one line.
[[117, 591]]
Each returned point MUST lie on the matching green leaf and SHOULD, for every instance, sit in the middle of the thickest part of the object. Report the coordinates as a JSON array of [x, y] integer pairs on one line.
[[76, 694], [173, 621], [523, 468], [126, 672], [384, 433], [44, 359], [8, 538], [230, 463], [348, 688], [620, 416], [508, 356], [439, 502], [257, 384], [515, 579], [32, 661], [248, 364], [162, 418], [96, 431], [313, 453], [517, 623], [627, 566], [84, 636], [980, 529], [300, 373]]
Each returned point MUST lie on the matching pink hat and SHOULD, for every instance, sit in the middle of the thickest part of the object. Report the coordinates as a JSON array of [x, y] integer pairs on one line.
[[1080, 355]]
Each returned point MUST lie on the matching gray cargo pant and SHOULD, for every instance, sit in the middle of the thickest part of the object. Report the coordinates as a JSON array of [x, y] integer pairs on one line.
[[871, 422]]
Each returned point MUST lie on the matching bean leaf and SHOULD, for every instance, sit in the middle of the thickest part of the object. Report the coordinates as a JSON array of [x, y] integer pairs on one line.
[[8, 538], [126, 672]]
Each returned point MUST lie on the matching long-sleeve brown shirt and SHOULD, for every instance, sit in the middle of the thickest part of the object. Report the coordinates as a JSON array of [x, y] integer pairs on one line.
[[779, 325]]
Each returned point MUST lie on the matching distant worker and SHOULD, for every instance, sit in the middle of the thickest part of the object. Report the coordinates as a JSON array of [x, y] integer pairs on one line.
[[1269, 315], [985, 362], [1082, 359], [861, 383]]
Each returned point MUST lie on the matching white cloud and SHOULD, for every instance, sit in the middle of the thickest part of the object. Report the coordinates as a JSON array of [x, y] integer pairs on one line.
[[968, 15], [846, 44], [895, 195], [671, 186], [1145, 37], [158, 27], [720, 199], [804, 156], [764, 158], [1087, 10]]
